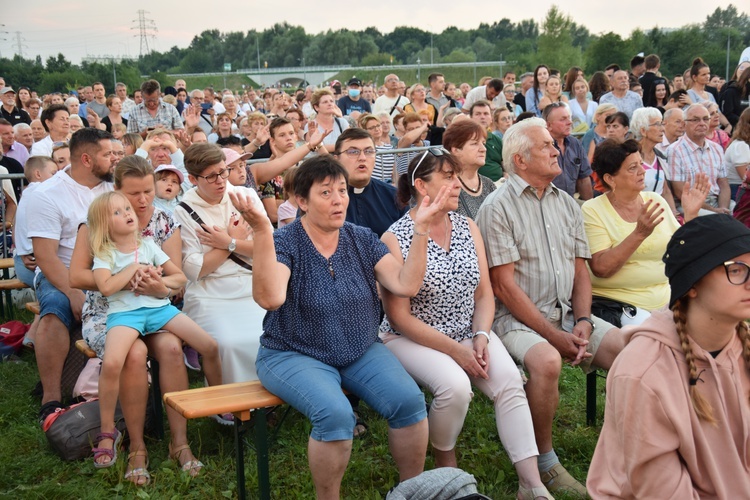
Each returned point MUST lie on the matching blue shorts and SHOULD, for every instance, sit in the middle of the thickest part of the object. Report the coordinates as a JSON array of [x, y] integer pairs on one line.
[[53, 301], [314, 389], [144, 319]]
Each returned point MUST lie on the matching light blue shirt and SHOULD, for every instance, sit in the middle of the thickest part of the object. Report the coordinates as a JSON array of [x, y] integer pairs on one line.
[[125, 300]]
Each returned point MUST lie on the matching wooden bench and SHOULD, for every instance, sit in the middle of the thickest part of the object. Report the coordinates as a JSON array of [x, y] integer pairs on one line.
[[243, 400], [32, 307]]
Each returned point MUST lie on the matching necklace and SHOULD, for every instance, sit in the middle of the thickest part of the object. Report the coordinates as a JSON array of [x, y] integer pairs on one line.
[[473, 191]]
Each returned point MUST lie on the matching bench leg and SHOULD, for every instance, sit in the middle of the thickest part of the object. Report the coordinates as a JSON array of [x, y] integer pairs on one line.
[[156, 400], [261, 449], [239, 450], [591, 399]]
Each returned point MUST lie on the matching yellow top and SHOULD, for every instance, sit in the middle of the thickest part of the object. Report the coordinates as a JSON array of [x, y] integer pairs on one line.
[[641, 280]]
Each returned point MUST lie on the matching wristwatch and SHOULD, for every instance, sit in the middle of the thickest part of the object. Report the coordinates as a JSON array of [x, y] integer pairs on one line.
[[232, 245], [587, 320]]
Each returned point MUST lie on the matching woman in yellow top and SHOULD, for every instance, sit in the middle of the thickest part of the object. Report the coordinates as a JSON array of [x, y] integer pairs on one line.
[[418, 103], [628, 229]]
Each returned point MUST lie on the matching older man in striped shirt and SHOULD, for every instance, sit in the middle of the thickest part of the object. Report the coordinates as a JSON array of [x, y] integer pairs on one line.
[[537, 250], [692, 154]]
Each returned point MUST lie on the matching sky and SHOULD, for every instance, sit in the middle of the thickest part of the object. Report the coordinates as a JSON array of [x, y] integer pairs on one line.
[[79, 29]]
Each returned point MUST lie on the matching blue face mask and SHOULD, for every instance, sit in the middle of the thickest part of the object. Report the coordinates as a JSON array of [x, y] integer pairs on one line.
[[354, 93]]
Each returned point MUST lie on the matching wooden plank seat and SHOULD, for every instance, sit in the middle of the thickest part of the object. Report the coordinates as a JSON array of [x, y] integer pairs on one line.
[[34, 307], [243, 400]]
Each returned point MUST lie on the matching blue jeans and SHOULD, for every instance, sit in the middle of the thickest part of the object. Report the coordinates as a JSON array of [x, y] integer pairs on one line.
[[53, 301], [22, 273], [314, 389]]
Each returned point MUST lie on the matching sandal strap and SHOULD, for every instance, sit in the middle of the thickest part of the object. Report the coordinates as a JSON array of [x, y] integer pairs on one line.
[[192, 464], [175, 453], [99, 452], [137, 453], [107, 435]]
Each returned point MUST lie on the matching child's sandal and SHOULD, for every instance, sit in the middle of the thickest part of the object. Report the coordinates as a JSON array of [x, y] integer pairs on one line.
[[116, 437]]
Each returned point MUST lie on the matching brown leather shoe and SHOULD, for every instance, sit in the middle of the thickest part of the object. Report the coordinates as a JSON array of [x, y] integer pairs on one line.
[[559, 480]]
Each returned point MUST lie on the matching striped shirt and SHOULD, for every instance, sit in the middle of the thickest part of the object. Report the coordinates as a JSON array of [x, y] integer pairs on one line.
[[384, 164], [166, 117], [686, 158], [542, 237]]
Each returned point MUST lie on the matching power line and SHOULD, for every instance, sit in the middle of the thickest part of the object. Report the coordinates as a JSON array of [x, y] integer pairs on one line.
[[146, 29]]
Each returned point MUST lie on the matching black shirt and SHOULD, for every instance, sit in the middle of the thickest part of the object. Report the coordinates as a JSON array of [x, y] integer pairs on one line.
[[15, 115]]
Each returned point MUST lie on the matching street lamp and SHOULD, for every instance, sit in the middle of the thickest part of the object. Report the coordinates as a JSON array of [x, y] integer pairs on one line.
[[418, 68]]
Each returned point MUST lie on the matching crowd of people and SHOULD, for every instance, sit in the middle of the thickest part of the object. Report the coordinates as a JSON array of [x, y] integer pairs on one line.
[[276, 236]]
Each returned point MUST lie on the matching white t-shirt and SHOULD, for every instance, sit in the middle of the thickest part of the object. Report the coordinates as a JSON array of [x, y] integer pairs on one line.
[[125, 300], [59, 205], [42, 147], [20, 230], [736, 155], [383, 104], [479, 93]]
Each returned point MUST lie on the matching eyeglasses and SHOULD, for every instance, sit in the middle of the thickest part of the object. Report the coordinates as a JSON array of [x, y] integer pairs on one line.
[[354, 153], [656, 124], [737, 272], [705, 119], [437, 152], [373, 128], [214, 177]]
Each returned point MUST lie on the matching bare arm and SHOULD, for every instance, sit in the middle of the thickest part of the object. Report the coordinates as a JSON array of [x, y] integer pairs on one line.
[[584, 188], [270, 277], [725, 195], [412, 136], [264, 172]]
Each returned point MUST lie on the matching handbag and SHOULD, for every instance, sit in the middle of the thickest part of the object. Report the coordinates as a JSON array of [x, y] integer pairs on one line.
[[72, 431], [611, 310]]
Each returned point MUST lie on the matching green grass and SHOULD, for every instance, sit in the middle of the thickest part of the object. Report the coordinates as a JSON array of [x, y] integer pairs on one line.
[[32, 470]]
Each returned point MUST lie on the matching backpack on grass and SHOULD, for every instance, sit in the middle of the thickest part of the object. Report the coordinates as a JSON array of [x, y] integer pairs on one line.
[[71, 431]]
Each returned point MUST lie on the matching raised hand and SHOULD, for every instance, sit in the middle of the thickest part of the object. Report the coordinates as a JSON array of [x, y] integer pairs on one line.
[[316, 137], [426, 211], [254, 216], [192, 116], [649, 218], [694, 195]]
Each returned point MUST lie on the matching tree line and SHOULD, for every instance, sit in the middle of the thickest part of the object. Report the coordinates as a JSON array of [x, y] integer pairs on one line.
[[558, 42]]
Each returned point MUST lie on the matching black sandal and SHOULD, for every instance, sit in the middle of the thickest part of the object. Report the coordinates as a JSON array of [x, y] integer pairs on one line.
[[360, 426]]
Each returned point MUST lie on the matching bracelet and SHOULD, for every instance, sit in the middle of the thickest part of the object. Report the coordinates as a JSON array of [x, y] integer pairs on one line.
[[587, 320], [417, 233], [483, 333], [256, 145], [169, 293]]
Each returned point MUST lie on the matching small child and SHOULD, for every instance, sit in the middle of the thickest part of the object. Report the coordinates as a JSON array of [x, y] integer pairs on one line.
[[236, 163], [131, 142], [168, 180], [121, 258], [288, 210], [37, 170], [119, 130]]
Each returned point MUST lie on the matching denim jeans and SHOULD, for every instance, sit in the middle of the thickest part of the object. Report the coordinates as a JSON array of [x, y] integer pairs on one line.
[[315, 389]]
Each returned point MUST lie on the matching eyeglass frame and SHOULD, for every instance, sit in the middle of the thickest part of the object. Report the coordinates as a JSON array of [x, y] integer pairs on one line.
[[729, 263], [224, 174]]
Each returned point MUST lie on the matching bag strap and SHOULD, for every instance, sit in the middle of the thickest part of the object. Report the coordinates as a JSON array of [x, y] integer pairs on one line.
[[197, 218], [398, 99]]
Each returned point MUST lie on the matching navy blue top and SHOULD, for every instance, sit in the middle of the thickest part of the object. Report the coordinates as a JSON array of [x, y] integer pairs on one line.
[[375, 207], [330, 316], [574, 164]]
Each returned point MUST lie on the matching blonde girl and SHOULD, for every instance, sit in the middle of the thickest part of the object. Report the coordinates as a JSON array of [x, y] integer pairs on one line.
[[121, 260], [552, 93]]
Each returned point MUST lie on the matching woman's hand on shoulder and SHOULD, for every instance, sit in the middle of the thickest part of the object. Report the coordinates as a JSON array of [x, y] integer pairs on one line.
[[214, 237], [238, 228]]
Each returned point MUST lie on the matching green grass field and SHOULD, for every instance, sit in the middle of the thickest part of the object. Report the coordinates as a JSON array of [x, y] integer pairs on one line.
[[32, 470]]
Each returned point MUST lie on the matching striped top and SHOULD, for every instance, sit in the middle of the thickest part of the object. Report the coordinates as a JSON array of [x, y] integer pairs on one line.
[[542, 238], [384, 164], [686, 159]]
